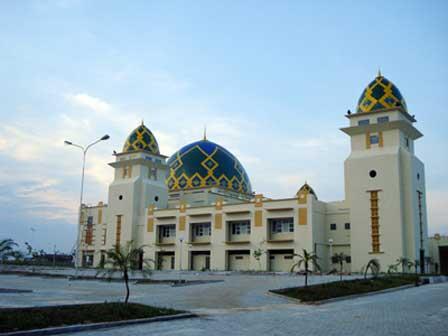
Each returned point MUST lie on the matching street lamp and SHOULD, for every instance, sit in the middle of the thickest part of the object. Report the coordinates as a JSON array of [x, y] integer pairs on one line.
[[330, 242], [181, 240], [84, 152]]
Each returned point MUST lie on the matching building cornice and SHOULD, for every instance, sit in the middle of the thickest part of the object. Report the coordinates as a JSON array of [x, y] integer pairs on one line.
[[405, 126]]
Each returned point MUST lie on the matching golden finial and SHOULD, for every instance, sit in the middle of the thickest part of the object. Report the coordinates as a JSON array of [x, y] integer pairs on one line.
[[379, 73], [205, 132]]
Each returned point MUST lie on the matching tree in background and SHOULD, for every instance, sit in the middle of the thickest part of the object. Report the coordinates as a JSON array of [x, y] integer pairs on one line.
[[374, 266], [404, 263], [257, 255], [339, 258], [7, 248]]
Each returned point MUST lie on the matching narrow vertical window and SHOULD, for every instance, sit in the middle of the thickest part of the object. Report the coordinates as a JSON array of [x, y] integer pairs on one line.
[[374, 221], [420, 220], [125, 172], [118, 232]]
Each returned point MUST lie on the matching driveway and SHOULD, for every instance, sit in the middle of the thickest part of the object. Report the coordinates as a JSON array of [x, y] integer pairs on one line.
[[239, 305]]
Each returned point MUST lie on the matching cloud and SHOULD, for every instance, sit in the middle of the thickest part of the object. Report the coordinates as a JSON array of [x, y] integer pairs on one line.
[[93, 103]]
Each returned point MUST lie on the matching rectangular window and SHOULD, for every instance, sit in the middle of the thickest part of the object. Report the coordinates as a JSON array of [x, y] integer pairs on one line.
[[347, 226], [333, 226], [374, 139], [407, 142], [363, 122], [202, 229], [168, 231], [382, 120], [240, 227], [281, 225], [104, 236], [90, 220], [152, 174], [125, 172], [348, 259]]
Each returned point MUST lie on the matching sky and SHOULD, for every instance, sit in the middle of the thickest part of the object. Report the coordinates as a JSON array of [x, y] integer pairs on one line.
[[272, 82]]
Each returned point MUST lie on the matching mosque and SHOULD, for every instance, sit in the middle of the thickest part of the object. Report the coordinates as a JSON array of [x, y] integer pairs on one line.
[[196, 210]]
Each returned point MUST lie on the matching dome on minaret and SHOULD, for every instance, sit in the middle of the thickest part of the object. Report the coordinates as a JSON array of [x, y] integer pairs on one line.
[[381, 95], [141, 139], [203, 164]]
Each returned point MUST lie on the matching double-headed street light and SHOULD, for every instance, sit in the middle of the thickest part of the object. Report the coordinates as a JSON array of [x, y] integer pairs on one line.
[[84, 152]]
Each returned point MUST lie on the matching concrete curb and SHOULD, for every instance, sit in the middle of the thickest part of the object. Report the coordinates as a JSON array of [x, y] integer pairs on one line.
[[342, 298], [94, 326]]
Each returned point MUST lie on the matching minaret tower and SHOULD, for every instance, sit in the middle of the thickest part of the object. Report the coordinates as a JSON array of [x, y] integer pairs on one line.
[[139, 181], [384, 180]]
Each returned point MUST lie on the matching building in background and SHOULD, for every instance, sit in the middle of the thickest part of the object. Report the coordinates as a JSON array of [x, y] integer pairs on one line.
[[197, 210]]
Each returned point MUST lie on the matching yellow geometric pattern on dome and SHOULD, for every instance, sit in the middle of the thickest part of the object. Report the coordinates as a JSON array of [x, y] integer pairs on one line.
[[204, 169], [381, 94], [141, 139]]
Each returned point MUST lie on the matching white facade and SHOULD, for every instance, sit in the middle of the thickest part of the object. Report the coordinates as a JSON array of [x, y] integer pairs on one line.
[[383, 215]]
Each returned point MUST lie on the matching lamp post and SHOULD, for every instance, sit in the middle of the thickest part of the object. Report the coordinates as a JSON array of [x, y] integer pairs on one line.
[[181, 240], [84, 152], [330, 242]]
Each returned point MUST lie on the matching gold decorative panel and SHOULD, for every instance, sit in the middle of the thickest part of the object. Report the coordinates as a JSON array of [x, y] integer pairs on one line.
[[150, 225], [182, 221], [303, 216], [374, 221], [218, 221], [258, 217]]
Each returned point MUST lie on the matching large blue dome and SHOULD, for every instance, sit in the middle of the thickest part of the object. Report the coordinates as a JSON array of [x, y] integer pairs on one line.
[[205, 164]]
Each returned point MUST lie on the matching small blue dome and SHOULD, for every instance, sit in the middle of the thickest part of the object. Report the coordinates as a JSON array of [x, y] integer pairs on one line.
[[205, 164], [380, 95]]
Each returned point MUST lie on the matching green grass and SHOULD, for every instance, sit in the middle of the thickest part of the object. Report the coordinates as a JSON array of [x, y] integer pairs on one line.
[[343, 288], [15, 319]]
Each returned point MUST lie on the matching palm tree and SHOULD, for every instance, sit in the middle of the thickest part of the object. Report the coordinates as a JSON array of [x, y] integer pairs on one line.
[[123, 259], [374, 266], [6, 248], [339, 258], [392, 269], [307, 259], [257, 255], [404, 262]]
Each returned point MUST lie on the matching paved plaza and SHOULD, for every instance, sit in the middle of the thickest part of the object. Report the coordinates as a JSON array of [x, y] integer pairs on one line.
[[239, 305]]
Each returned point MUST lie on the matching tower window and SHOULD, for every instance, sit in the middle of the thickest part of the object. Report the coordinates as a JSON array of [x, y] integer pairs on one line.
[[382, 120], [374, 139], [333, 226], [372, 173], [418, 176], [120, 197], [363, 122], [156, 198], [347, 226], [125, 172], [407, 142]]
